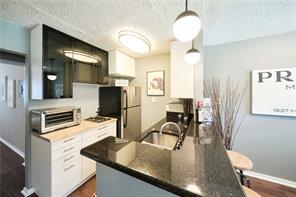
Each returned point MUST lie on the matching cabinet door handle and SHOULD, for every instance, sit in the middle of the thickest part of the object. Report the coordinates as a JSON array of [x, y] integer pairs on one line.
[[69, 149], [98, 129], [67, 159], [71, 166], [68, 140], [99, 136]]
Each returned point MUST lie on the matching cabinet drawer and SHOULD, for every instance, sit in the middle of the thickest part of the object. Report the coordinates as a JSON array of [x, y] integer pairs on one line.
[[65, 151], [93, 139], [95, 131], [112, 129], [65, 160], [66, 178], [66, 142]]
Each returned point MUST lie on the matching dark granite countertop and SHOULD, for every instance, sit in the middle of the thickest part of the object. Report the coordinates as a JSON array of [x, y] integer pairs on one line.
[[200, 168]]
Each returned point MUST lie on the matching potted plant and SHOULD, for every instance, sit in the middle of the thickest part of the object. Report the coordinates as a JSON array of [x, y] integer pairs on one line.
[[226, 103]]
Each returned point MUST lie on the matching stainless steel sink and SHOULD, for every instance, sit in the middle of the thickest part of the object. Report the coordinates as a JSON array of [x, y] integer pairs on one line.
[[164, 140]]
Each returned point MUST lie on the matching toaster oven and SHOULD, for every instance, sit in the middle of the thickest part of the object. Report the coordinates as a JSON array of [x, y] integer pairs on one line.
[[46, 120]]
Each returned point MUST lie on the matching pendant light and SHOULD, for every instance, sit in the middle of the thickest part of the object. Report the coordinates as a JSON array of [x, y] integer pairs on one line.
[[51, 76], [187, 25], [192, 56]]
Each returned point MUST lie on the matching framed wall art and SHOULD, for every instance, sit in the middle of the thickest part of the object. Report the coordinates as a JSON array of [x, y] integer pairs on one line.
[[11, 93], [155, 83], [3, 88], [21, 88]]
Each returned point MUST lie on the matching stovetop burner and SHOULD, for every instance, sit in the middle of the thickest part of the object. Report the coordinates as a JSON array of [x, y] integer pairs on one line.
[[98, 119]]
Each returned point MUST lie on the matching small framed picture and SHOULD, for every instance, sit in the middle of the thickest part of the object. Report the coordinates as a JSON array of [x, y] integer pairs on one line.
[[155, 83], [21, 88], [11, 93], [3, 88]]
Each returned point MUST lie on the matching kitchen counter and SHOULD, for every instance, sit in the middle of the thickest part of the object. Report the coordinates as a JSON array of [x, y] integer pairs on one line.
[[200, 168], [70, 131]]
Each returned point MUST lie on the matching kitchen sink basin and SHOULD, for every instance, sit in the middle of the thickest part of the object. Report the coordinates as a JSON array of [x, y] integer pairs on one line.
[[164, 140]]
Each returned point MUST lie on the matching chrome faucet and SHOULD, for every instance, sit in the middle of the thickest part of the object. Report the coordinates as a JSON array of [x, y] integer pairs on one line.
[[172, 123]]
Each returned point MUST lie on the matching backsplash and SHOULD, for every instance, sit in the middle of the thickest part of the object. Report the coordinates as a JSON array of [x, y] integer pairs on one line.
[[84, 96]]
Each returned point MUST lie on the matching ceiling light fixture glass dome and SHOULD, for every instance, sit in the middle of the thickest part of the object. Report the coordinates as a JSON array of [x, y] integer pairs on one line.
[[51, 76], [187, 25], [134, 41], [192, 56]]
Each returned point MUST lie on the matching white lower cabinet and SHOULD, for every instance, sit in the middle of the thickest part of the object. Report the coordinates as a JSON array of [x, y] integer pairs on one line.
[[90, 137], [58, 168], [66, 178]]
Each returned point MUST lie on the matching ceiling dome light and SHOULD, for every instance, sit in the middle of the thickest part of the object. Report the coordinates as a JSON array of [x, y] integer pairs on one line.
[[83, 57], [192, 56], [187, 25], [134, 41]]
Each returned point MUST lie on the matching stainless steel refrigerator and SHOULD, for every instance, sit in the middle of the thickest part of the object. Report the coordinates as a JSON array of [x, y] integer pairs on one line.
[[123, 103]]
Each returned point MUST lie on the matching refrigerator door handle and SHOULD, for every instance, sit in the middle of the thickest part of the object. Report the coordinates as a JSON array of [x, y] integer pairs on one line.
[[125, 107]]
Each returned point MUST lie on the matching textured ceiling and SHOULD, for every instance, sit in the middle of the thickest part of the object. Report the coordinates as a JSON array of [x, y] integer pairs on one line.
[[99, 21]]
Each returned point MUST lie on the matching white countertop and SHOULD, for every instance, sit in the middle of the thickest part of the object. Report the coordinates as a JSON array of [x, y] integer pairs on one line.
[[70, 131]]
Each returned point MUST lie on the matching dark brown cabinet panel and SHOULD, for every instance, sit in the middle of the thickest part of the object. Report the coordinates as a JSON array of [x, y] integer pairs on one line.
[[85, 69], [58, 60], [55, 62]]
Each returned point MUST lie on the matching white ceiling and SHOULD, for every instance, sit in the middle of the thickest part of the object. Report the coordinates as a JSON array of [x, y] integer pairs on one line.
[[99, 21]]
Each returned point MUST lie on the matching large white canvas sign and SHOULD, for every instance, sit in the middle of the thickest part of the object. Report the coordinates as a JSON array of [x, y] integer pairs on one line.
[[274, 92]]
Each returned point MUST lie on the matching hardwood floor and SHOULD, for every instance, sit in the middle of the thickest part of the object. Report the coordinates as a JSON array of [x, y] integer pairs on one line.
[[86, 190], [12, 172], [269, 189], [12, 180]]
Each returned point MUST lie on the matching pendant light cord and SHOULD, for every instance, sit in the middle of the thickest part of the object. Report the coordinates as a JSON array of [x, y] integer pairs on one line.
[[52, 59], [186, 4], [51, 65]]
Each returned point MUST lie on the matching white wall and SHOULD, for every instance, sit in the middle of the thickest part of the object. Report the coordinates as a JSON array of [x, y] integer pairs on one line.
[[14, 37], [84, 96], [269, 141], [17, 38], [199, 67], [152, 112], [12, 120]]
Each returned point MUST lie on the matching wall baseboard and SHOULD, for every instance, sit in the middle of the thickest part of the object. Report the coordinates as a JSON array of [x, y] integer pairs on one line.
[[271, 178], [27, 192], [12, 147]]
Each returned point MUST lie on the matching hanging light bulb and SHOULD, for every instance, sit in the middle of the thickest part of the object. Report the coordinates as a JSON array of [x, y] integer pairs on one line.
[[51, 76], [192, 56], [187, 25]]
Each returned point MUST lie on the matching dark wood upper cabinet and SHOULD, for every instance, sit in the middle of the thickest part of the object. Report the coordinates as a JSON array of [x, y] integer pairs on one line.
[[54, 53], [55, 62], [85, 71]]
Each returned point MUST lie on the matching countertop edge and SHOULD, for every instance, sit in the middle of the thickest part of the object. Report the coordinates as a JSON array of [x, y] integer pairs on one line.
[[141, 176], [55, 139]]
